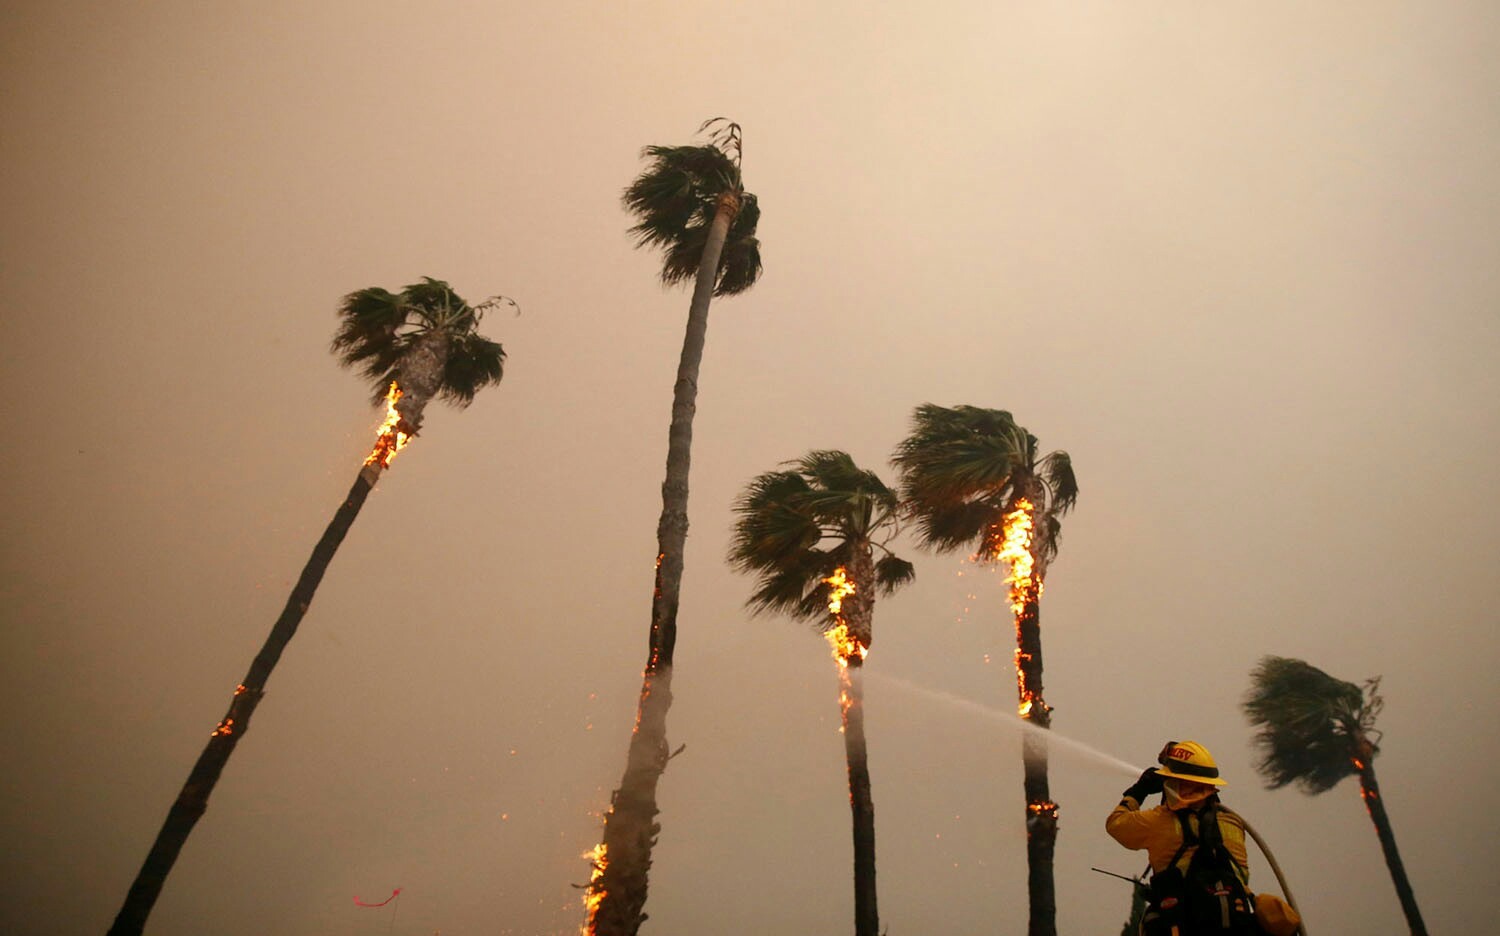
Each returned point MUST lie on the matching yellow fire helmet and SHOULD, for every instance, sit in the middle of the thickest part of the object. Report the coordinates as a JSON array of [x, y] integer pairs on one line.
[[1188, 760]]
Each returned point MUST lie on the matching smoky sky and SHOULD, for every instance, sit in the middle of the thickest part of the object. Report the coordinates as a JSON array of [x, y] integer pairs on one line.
[[1239, 260]]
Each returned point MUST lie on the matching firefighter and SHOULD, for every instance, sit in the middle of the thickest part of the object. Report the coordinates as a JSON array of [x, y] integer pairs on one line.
[[1199, 869]]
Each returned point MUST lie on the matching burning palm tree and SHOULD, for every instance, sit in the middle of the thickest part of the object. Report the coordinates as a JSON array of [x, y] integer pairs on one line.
[[691, 203], [973, 478], [415, 345], [810, 535], [1315, 730]]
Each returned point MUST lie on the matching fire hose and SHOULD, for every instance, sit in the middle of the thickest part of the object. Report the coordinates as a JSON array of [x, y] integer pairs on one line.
[[1275, 868]]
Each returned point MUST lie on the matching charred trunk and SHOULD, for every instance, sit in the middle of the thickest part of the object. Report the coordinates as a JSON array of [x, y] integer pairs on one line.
[[192, 801], [866, 914], [858, 612], [618, 896], [1370, 790], [1041, 812]]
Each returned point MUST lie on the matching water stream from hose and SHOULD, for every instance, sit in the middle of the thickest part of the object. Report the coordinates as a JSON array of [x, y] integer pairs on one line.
[[1008, 718]]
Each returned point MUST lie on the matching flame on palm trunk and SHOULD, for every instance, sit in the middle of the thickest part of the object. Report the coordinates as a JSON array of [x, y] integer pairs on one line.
[[844, 644], [593, 895], [392, 438], [1015, 549], [846, 647]]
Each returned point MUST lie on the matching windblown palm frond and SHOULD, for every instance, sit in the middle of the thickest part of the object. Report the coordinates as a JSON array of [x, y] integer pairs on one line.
[[474, 362], [674, 202], [1057, 471], [798, 525], [1309, 724], [892, 572], [962, 467], [378, 328]]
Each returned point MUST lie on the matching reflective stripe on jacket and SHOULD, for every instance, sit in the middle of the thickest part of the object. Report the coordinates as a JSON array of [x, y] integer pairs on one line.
[[1156, 830]]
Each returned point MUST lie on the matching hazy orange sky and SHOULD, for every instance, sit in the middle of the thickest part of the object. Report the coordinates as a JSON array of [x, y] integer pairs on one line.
[[1239, 259]]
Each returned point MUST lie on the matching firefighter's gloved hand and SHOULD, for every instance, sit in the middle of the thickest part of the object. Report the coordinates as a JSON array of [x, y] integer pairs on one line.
[[1149, 782]]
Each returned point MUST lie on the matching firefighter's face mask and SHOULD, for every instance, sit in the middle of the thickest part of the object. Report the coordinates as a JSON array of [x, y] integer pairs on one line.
[[1184, 793]]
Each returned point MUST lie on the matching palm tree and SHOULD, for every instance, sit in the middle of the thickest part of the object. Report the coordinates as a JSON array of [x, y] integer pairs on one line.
[[414, 346], [691, 202], [1314, 730], [972, 478], [810, 535]]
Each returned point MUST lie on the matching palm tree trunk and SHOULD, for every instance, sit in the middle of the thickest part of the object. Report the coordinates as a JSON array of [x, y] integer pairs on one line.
[[851, 692], [192, 801], [618, 894], [422, 377], [1041, 812], [859, 613], [1370, 790]]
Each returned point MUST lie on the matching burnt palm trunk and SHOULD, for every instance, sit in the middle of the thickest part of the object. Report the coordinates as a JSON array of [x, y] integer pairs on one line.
[[192, 801], [618, 893], [1041, 812], [851, 690], [859, 615], [1369, 789]]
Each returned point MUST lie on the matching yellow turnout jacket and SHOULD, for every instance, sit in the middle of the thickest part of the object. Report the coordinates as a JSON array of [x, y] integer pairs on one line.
[[1156, 830]]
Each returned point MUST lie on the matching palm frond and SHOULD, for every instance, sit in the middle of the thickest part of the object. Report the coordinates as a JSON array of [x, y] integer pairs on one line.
[[961, 469], [674, 201], [678, 190], [772, 529], [378, 328], [796, 525], [958, 453], [1309, 724], [795, 588], [434, 301], [726, 135], [1057, 472], [947, 527], [740, 264], [474, 362], [368, 321], [1051, 537], [681, 257], [892, 572]]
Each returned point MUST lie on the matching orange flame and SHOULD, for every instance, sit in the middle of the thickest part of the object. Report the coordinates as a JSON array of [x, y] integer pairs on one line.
[[844, 644], [842, 588], [1015, 550], [594, 894], [1017, 540], [391, 439], [1037, 812]]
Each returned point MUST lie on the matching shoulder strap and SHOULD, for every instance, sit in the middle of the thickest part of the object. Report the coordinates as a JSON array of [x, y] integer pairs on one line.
[[1188, 838]]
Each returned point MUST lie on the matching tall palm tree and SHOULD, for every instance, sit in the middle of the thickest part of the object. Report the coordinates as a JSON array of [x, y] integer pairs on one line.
[[690, 202], [974, 479], [1314, 730], [414, 346], [810, 534]]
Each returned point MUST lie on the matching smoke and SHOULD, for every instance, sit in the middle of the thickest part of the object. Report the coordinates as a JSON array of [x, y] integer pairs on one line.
[[1010, 719]]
